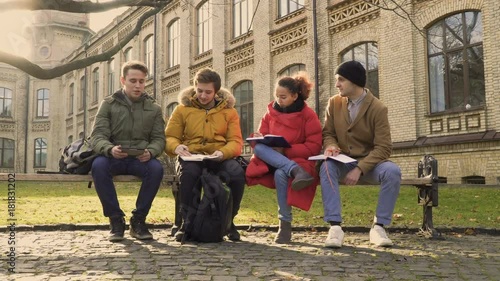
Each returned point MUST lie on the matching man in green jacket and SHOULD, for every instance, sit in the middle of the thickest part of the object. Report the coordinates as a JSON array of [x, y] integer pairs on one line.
[[129, 135]]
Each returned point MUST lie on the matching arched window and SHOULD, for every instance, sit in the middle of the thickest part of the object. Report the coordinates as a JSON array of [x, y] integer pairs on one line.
[[70, 139], [6, 153], [456, 62], [170, 108], [286, 7], [81, 135], [111, 77], [242, 17], [71, 98], [367, 55], [42, 103], [149, 53], [40, 153], [292, 69], [204, 27], [5, 102], [95, 85], [243, 93], [83, 92], [174, 43], [127, 55]]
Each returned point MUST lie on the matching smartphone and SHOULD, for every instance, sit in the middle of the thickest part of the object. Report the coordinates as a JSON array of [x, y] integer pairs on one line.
[[132, 151]]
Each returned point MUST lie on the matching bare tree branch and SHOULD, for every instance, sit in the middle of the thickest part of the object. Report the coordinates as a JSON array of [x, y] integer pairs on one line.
[[38, 72], [77, 6]]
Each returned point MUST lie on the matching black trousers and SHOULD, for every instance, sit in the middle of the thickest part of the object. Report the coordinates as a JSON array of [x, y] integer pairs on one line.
[[189, 173]]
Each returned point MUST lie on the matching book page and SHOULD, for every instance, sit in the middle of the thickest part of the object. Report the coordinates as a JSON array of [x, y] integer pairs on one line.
[[198, 157], [341, 158]]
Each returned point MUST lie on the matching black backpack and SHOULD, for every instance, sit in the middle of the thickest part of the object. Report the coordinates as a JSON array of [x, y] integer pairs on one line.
[[214, 213], [77, 158]]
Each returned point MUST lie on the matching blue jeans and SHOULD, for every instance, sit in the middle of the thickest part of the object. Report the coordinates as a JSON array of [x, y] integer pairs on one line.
[[283, 167], [103, 170], [387, 174]]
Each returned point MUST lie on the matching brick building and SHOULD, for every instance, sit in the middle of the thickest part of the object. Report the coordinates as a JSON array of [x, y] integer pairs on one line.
[[434, 63]]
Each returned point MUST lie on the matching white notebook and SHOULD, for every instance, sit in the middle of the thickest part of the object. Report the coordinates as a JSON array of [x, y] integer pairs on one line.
[[341, 158]]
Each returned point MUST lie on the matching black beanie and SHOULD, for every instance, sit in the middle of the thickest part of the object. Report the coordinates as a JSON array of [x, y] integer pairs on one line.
[[352, 71]]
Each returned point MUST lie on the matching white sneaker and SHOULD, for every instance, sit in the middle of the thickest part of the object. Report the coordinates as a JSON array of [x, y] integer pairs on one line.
[[335, 237], [379, 237]]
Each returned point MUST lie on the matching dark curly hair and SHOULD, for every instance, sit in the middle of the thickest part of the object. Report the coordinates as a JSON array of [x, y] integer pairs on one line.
[[297, 84]]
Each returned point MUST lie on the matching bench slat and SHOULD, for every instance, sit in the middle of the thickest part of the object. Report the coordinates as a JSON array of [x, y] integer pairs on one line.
[[72, 178], [125, 178]]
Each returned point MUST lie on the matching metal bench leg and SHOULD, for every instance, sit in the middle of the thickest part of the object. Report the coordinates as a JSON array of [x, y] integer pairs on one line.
[[428, 195]]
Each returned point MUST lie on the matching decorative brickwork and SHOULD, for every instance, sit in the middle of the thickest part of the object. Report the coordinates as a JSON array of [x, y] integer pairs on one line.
[[240, 57], [170, 84], [40, 126], [7, 127], [124, 32], [199, 66], [289, 38], [108, 44], [352, 13]]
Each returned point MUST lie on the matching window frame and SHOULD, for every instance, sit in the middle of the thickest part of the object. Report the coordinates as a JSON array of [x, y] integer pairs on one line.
[[38, 160], [42, 104], [248, 128], [242, 25], [148, 54], [83, 92], [4, 150], [127, 54], [5, 102], [442, 92], [204, 27], [95, 85], [71, 100], [173, 43], [111, 76], [286, 7], [370, 67], [290, 69]]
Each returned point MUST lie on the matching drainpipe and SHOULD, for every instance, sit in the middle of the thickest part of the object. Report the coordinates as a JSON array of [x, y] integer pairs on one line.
[[154, 56], [26, 129], [315, 50], [85, 94]]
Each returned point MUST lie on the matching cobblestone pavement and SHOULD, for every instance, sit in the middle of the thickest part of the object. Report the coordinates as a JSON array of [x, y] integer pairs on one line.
[[87, 255]]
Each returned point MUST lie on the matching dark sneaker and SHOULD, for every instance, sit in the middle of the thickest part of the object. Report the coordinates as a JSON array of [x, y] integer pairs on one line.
[[179, 235], [233, 234], [139, 229], [117, 225]]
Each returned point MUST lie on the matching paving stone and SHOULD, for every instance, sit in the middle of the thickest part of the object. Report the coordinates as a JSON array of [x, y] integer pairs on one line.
[[87, 255]]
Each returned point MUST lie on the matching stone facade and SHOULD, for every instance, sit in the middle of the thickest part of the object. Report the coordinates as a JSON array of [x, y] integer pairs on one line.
[[465, 142]]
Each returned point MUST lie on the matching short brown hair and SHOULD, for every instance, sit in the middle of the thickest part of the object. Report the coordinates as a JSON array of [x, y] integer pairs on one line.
[[207, 75], [134, 64]]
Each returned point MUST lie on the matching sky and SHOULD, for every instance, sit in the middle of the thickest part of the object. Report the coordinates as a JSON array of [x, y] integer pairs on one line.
[[13, 21]]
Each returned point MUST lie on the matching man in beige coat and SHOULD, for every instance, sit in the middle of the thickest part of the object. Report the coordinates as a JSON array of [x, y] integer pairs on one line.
[[356, 124]]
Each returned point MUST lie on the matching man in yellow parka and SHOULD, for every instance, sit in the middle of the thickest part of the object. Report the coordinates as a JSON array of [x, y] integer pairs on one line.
[[205, 122]]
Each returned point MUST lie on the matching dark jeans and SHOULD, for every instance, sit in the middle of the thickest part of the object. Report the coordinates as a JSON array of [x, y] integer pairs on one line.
[[103, 170], [189, 173]]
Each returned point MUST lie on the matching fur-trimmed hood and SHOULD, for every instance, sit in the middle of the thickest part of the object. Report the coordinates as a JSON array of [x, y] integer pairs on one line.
[[187, 97]]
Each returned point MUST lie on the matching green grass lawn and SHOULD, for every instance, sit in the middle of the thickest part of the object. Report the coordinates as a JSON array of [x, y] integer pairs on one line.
[[73, 203]]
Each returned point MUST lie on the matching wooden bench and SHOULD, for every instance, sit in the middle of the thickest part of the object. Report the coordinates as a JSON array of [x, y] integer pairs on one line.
[[426, 182]]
